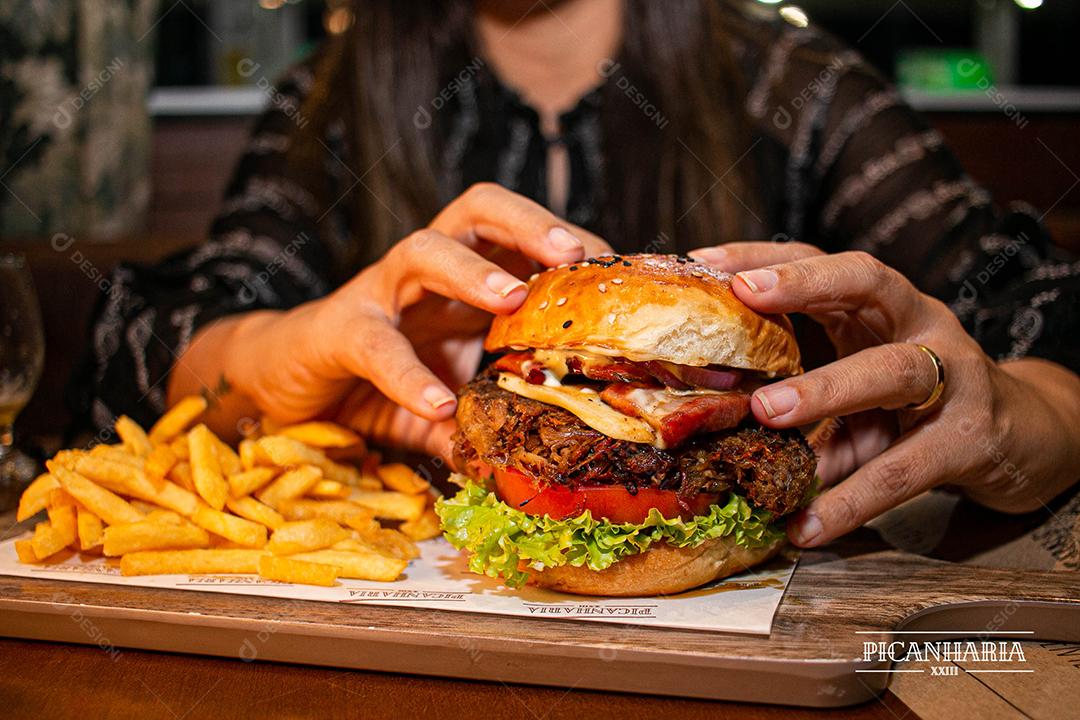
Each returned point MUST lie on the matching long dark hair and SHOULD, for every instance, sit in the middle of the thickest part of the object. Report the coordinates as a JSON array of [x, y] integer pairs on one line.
[[671, 182]]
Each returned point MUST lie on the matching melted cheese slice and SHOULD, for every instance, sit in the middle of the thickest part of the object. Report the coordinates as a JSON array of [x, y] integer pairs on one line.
[[586, 404]]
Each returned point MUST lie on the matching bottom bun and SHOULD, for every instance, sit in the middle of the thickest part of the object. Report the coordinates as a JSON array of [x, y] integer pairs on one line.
[[660, 570]]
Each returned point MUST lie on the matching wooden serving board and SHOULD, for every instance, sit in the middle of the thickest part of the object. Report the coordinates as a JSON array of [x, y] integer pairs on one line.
[[809, 659]]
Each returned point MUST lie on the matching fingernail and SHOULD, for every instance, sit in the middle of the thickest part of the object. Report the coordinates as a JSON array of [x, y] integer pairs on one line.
[[808, 529], [709, 254], [778, 401], [436, 396], [759, 281], [502, 284], [563, 240]]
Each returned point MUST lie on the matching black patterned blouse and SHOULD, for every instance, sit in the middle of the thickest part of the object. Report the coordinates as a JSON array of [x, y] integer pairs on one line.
[[852, 167]]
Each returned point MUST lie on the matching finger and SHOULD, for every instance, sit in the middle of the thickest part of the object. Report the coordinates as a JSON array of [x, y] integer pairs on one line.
[[889, 376], [843, 444], [429, 261], [853, 282], [738, 256], [489, 212], [374, 349], [909, 467]]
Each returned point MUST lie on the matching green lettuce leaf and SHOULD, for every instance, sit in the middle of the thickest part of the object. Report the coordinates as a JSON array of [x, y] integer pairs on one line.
[[500, 538]]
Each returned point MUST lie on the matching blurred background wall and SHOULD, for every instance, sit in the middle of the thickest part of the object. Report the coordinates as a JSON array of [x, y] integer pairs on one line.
[[121, 120]]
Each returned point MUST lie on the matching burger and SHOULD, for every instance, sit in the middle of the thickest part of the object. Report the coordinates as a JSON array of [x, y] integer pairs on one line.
[[610, 449]]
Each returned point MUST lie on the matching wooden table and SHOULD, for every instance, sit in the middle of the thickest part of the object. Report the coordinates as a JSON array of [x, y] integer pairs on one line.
[[62, 681]]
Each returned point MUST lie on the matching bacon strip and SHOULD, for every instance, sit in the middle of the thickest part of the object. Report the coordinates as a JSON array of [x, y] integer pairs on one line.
[[678, 417], [522, 365]]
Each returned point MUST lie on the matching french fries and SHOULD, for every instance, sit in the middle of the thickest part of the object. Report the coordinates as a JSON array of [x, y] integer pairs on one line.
[[134, 437], [177, 419], [425, 527], [206, 468], [90, 529], [36, 496], [108, 506], [150, 535], [391, 505], [237, 529], [291, 484], [178, 499], [290, 570], [306, 535], [360, 565], [340, 511], [250, 508], [403, 479], [321, 435], [248, 481], [190, 562]]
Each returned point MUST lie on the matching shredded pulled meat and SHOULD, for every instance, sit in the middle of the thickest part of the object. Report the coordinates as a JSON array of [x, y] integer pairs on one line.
[[771, 468]]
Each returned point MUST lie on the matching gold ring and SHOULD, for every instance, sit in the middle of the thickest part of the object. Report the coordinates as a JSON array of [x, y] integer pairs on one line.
[[939, 386]]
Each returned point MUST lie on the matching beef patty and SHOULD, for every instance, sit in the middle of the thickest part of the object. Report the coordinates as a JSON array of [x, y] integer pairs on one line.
[[772, 468]]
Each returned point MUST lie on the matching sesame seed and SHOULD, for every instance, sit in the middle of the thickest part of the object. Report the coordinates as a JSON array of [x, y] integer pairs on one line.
[[567, 324], [543, 304], [560, 267], [602, 287], [696, 273], [532, 278], [616, 281], [626, 263], [573, 268], [561, 301]]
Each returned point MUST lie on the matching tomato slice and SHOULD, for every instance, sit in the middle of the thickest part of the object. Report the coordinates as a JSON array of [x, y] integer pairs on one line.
[[613, 502]]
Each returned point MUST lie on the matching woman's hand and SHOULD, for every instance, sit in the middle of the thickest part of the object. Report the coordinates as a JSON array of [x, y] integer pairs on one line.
[[1008, 434], [386, 351]]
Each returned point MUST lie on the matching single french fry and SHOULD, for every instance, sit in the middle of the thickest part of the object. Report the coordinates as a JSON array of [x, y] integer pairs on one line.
[[287, 452], [36, 496], [249, 453], [359, 565], [330, 490], [90, 529], [237, 529], [181, 475], [289, 485], [167, 517], [60, 497], [135, 440], [146, 535], [285, 569], [63, 520], [390, 505], [369, 482], [180, 448], [112, 453], [115, 475], [134, 482], [305, 535], [321, 434], [341, 511], [248, 481], [425, 527], [159, 462], [178, 418], [227, 458], [205, 468], [402, 478], [108, 506], [389, 542], [49, 540], [365, 523], [190, 562], [250, 508], [24, 549]]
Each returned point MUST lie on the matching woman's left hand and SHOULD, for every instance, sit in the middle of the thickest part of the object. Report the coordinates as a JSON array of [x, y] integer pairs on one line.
[[1006, 433]]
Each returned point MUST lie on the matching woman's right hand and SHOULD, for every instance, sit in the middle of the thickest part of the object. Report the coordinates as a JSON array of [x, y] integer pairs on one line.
[[360, 343]]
